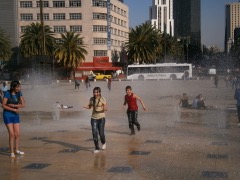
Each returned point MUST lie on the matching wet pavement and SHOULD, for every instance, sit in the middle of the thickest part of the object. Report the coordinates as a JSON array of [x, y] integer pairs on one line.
[[173, 144]]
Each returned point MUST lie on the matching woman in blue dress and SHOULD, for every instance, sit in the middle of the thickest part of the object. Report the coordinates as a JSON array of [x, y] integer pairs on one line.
[[12, 101]]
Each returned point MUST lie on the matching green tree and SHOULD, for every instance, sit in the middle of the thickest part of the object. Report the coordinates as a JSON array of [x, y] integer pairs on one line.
[[5, 47], [143, 44], [32, 42], [70, 52]]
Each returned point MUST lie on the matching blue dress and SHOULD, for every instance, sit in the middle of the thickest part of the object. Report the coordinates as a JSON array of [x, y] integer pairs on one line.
[[10, 116]]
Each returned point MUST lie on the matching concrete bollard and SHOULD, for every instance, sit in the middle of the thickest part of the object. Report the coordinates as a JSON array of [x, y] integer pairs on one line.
[[70, 81], [82, 80], [198, 78], [119, 80], [57, 81], [95, 80]]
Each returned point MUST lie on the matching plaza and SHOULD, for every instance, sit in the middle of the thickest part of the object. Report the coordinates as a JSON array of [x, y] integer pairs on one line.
[[173, 144]]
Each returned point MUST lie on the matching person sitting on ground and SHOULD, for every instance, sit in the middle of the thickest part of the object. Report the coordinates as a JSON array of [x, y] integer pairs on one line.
[[184, 101], [198, 102], [61, 106]]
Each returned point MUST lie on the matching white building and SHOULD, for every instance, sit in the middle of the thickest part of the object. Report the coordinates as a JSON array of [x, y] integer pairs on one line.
[[161, 15]]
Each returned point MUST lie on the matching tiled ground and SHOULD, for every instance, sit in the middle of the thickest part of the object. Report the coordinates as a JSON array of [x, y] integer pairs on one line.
[[173, 144]]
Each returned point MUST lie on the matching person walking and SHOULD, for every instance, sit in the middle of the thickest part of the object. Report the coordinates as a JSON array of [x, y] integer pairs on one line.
[[237, 97], [77, 84], [87, 83], [130, 99], [99, 105], [12, 101], [109, 83]]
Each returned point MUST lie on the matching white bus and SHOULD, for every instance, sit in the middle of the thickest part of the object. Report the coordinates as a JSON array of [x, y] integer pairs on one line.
[[159, 71]]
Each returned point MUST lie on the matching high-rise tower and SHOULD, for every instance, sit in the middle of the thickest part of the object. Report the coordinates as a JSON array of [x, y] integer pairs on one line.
[[179, 18], [232, 21]]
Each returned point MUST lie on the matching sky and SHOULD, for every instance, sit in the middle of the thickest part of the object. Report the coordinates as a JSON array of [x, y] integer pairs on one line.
[[212, 18]]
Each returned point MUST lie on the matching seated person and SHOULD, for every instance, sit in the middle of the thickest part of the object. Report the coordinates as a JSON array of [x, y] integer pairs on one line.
[[61, 106], [198, 102], [184, 101]]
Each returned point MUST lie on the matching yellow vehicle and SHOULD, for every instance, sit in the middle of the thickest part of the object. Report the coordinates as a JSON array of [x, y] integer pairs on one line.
[[100, 76]]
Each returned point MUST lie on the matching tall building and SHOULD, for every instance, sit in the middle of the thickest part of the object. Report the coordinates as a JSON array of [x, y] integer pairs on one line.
[[179, 18], [232, 21], [104, 24]]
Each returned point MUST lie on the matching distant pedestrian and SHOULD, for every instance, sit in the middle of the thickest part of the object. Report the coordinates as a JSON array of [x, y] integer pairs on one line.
[[99, 105], [216, 81], [109, 83], [130, 99], [12, 101], [234, 82], [77, 84], [227, 80], [237, 97], [87, 83]]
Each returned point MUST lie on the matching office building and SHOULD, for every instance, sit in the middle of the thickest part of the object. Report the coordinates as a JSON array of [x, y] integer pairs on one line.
[[232, 21], [104, 24], [179, 18]]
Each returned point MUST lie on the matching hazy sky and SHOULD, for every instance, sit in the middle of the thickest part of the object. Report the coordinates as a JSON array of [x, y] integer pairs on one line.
[[212, 18]]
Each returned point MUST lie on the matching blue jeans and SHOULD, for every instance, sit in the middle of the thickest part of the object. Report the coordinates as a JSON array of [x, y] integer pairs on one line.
[[98, 128]]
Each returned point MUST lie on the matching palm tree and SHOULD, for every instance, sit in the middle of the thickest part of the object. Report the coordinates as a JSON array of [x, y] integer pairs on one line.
[[5, 47], [31, 41], [71, 51], [143, 43]]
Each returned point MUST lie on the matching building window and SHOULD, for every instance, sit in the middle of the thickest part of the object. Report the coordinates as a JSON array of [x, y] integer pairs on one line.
[[59, 29], [99, 28], [77, 28], [45, 16], [45, 3], [100, 53], [58, 3], [99, 16], [75, 16], [99, 40], [26, 17], [75, 3], [23, 29], [99, 3], [58, 16], [25, 4], [58, 40]]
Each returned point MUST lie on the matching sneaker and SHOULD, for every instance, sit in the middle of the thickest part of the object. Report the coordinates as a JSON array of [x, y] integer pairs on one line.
[[19, 152], [96, 151], [12, 155], [138, 127], [132, 133], [104, 146]]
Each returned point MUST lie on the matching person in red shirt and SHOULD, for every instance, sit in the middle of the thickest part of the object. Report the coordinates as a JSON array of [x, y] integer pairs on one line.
[[130, 99]]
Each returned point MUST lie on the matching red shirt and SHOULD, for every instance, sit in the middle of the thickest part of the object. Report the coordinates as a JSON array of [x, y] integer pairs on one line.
[[132, 102]]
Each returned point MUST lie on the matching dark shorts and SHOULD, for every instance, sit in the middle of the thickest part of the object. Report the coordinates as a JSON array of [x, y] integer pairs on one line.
[[11, 119]]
